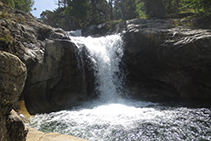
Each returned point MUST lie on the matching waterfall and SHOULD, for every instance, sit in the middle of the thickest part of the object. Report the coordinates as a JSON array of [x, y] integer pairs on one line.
[[112, 118], [106, 54]]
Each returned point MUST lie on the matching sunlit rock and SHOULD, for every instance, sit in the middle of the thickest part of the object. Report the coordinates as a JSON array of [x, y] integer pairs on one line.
[[167, 63], [12, 80]]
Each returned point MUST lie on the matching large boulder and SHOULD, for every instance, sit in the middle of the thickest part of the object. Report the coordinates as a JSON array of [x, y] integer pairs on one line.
[[12, 79], [166, 63], [58, 81]]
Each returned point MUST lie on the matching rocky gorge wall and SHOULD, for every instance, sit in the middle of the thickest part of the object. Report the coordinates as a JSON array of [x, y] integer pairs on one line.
[[163, 62], [58, 82], [41, 65], [166, 62]]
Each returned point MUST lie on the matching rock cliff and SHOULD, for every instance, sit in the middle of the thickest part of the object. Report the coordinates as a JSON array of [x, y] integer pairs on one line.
[[166, 62], [58, 82]]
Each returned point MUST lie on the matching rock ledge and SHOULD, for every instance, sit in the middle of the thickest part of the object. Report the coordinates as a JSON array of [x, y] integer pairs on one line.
[[34, 135]]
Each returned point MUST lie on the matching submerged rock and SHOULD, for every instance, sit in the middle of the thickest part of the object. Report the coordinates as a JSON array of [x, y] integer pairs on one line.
[[166, 62]]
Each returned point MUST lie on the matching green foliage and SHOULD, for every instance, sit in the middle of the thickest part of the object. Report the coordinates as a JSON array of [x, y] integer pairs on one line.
[[6, 42], [11, 3], [7, 39], [200, 6], [77, 14], [128, 9], [99, 11], [3, 14], [74, 14], [80, 15], [24, 5], [140, 9]]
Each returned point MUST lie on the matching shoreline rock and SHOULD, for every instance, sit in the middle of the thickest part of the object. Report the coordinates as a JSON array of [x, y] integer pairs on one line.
[[12, 79], [34, 135]]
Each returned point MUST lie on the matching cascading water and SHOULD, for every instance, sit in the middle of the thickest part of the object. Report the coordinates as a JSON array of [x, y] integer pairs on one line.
[[112, 118], [105, 53]]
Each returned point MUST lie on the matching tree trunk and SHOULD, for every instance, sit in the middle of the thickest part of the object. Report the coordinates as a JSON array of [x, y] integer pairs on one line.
[[111, 9]]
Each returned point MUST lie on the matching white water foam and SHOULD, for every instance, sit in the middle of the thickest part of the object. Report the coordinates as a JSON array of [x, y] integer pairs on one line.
[[75, 33], [128, 121]]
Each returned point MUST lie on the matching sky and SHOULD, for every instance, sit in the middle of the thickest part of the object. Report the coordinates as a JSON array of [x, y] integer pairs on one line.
[[42, 5]]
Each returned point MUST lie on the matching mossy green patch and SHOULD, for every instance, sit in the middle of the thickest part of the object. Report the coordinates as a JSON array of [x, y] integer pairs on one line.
[[7, 39], [3, 14]]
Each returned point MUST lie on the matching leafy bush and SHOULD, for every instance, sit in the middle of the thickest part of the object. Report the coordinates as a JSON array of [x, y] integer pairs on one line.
[[24, 5], [200, 6]]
